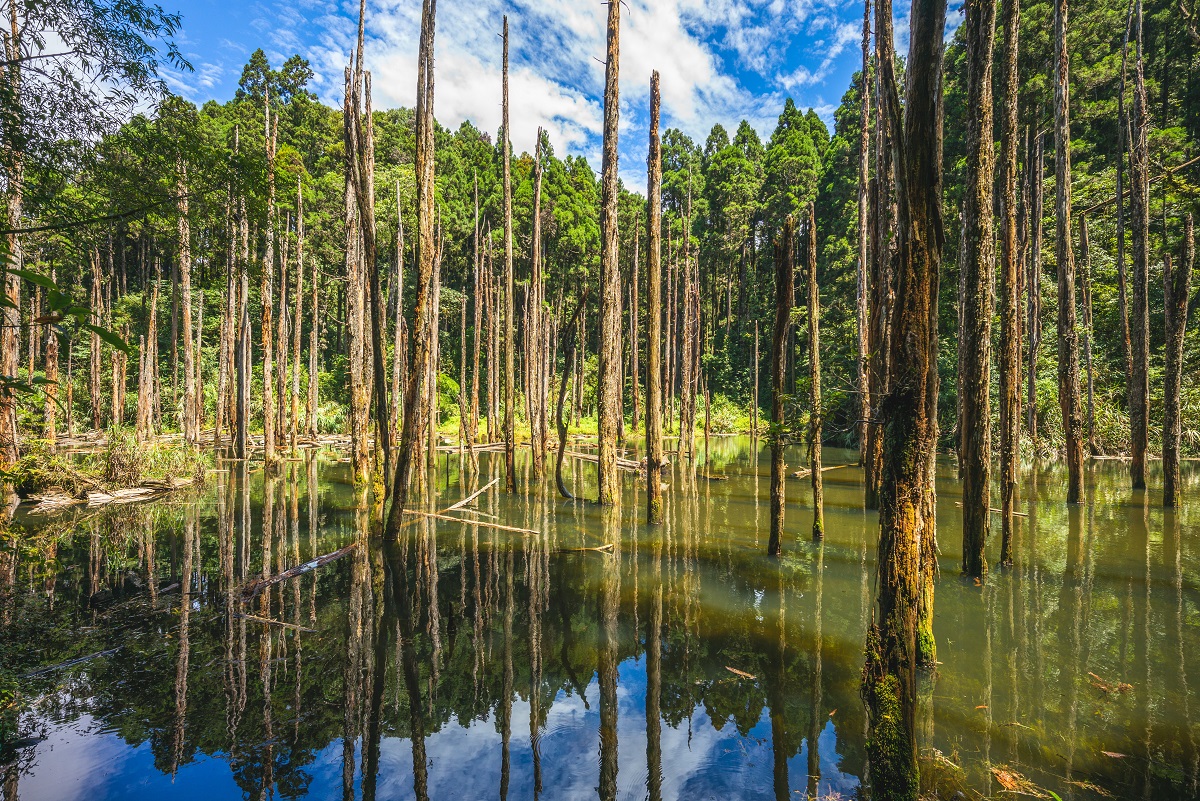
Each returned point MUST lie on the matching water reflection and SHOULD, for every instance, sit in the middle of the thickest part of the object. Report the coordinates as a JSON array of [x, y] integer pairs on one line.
[[579, 653]]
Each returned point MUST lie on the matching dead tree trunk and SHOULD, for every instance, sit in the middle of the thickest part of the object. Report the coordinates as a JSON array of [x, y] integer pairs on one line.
[[313, 344], [1034, 287], [814, 369], [50, 427], [243, 339], [1068, 337], [633, 325], [608, 389], [535, 399], [414, 419], [1122, 269], [864, 386], [297, 319], [1085, 257], [477, 330], [654, 388], [510, 433], [1177, 286], [96, 360], [1139, 208], [1010, 284], [785, 289], [190, 435], [267, 291], [889, 677], [360, 401], [977, 259]]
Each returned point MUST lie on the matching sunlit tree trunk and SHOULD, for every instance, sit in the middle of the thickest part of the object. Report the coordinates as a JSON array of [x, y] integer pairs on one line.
[[297, 319], [785, 289], [977, 260], [608, 389], [1033, 285], [190, 435], [654, 388], [1068, 337], [535, 398], [50, 426], [267, 292], [814, 370], [889, 677], [414, 412], [1085, 258], [863, 285], [1010, 283], [314, 334], [510, 399], [477, 331]]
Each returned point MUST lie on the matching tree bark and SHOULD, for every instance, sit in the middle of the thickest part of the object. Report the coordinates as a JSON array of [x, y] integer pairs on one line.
[[1177, 286], [654, 388], [1034, 287], [814, 370], [785, 289], [1122, 147], [1010, 283], [356, 313], [889, 677], [414, 418], [608, 389], [313, 344], [863, 286], [297, 319], [477, 329], [267, 292], [535, 398], [1068, 336], [635, 395], [510, 425], [50, 426], [977, 260], [94, 339], [1139, 326], [1086, 258]]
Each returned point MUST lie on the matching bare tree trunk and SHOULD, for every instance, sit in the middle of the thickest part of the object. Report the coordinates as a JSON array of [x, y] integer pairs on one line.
[[608, 391], [977, 259], [96, 360], [477, 331], [242, 347], [654, 388], [294, 422], [50, 427], [283, 332], [1068, 337], [1034, 287], [1122, 147], [268, 285], [1139, 327], [633, 325], [414, 421], [863, 286], [225, 349], [510, 424], [1177, 286], [754, 390], [889, 677], [535, 399], [360, 401], [687, 423], [145, 380], [814, 370], [190, 435], [313, 344], [1010, 284], [1085, 257], [785, 289]]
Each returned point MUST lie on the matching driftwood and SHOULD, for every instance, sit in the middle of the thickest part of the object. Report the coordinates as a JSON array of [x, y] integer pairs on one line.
[[995, 511], [471, 497], [807, 473], [254, 588], [68, 663], [623, 464], [600, 548], [270, 622], [484, 523]]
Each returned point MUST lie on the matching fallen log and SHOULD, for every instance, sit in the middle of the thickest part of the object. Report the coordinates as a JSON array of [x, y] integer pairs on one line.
[[270, 622], [471, 497], [68, 663], [623, 464], [806, 473], [254, 588], [996, 511], [484, 523]]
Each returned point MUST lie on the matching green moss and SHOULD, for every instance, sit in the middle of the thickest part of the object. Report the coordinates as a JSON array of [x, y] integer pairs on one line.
[[894, 773], [656, 510]]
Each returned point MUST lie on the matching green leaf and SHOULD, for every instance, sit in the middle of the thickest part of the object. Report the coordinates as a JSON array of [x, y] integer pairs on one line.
[[43, 281], [108, 336]]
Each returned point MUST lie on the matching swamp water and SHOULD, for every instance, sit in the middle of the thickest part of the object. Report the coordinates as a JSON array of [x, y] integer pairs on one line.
[[469, 662]]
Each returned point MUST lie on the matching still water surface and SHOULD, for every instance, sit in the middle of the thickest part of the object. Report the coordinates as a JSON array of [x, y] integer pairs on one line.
[[469, 662]]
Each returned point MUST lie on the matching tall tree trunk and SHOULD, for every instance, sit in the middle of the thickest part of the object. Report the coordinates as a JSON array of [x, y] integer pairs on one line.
[[1139, 208], [633, 324], [283, 332], [225, 349], [360, 401], [814, 371], [1085, 257], [654, 388], [1177, 286], [243, 339], [267, 291], [50, 426], [863, 286], [977, 259], [889, 677], [510, 433], [477, 330], [1034, 286], [190, 435], [94, 351], [297, 319], [535, 399], [1010, 283], [1122, 148], [414, 418], [1068, 336], [608, 391], [314, 334], [785, 289]]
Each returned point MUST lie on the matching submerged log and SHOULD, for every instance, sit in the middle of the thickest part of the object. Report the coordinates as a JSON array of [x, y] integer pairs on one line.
[[254, 588]]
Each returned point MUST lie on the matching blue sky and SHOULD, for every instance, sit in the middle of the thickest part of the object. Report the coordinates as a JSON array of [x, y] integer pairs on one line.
[[720, 60]]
